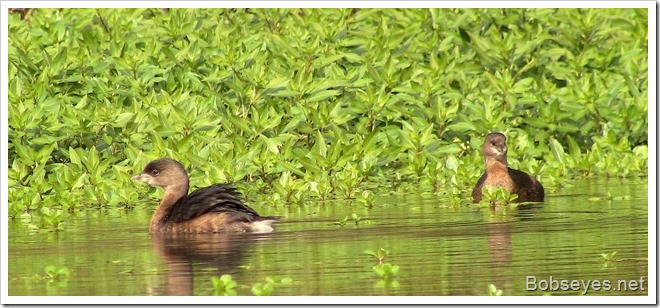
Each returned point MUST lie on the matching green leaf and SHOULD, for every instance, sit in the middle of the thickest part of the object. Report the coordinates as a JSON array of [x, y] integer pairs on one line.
[[240, 123], [73, 156], [320, 145], [557, 150], [573, 147], [271, 144], [290, 167], [523, 85], [82, 103], [322, 95], [122, 119]]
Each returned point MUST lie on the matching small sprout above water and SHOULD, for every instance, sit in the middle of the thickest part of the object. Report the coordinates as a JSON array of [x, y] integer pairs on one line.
[[354, 217], [342, 221], [226, 286], [263, 289], [56, 273], [386, 271], [609, 256], [379, 255], [493, 291], [223, 285]]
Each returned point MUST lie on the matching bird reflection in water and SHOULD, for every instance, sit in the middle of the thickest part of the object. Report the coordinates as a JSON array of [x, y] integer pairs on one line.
[[500, 243], [183, 252]]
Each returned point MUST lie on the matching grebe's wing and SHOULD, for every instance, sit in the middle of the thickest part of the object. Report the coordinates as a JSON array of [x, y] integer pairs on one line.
[[216, 198]]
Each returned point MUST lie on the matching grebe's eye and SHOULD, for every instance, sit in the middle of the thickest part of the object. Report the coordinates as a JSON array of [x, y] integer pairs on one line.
[[154, 172]]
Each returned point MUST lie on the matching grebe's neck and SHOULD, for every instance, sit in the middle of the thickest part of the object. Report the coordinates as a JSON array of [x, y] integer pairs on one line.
[[172, 195], [498, 163]]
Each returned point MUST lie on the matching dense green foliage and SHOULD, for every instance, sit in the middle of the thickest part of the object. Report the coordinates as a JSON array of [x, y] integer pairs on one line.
[[305, 104]]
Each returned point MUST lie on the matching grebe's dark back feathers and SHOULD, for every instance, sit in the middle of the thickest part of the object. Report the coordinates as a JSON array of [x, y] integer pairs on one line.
[[528, 188], [215, 198]]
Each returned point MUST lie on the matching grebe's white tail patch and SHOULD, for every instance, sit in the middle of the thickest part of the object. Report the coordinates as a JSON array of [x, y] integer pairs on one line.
[[262, 226]]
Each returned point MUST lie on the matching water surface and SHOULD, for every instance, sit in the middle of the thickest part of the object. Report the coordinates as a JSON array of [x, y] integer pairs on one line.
[[441, 249]]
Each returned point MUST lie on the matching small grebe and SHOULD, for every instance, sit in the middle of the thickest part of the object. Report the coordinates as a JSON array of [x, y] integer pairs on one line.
[[212, 209], [498, 174]]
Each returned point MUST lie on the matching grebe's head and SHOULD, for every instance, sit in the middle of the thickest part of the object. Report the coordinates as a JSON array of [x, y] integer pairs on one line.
[[164, 173], [495, 147]]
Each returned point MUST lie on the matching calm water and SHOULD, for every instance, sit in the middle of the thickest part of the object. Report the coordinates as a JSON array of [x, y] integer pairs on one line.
[[440, 250]]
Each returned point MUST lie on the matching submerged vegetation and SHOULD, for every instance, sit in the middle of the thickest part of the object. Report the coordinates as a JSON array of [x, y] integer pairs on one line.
[[315, 104]]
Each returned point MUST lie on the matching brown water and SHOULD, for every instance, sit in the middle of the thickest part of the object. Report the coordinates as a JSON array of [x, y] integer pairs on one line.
[[441, 250]]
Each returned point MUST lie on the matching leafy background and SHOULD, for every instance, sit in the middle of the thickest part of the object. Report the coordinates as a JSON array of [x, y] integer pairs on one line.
[[299, 105]]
